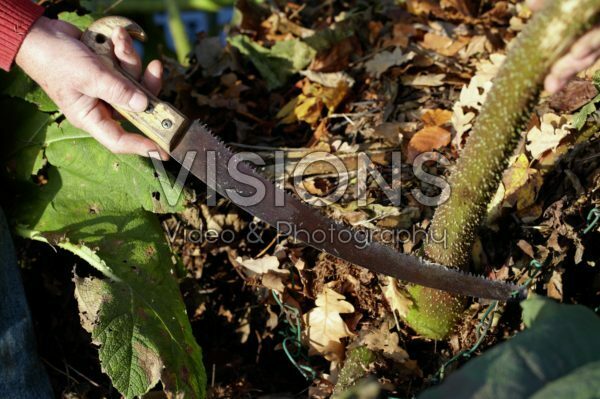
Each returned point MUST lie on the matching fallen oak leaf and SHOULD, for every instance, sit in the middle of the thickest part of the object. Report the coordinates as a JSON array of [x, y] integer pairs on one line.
[[443, 45], [424, 80], [397, 301], [383, 61], [555, 286], [477, 45], [436, 117], [332, 79], [472, 97], [548, 136], [266, 264], [383, 340], [461, 122], [273, 281], [325, 327]]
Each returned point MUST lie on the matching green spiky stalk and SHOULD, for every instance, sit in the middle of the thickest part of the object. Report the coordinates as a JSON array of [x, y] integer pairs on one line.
[[355, 367], [494, 137]]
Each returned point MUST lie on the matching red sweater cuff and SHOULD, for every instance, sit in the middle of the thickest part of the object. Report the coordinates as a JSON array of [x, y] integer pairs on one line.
[[16, 17]]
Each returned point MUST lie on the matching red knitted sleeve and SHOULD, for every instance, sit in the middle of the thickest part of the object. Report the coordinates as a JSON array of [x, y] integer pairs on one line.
[[16, 17]]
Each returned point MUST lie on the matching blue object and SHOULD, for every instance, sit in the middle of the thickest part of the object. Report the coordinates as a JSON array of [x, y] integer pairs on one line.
[[195, 22], [22, 375]]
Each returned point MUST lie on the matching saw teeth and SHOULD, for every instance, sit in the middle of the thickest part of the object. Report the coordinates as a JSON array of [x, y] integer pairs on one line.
[[224, 150]]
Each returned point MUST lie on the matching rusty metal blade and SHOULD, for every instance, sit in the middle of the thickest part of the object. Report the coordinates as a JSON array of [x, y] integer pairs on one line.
[[296, 218]]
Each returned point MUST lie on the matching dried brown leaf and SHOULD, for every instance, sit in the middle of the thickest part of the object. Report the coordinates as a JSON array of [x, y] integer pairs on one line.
[[427, 139], [436, 117], [324, 325], [443, 45]]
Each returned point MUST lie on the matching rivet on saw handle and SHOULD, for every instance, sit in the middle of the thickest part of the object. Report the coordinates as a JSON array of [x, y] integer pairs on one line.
[[161, 122]]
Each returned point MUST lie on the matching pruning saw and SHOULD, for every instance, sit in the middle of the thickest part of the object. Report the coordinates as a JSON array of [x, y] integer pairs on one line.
[[173, 132]]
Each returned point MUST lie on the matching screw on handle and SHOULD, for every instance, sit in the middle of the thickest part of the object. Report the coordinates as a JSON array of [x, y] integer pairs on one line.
[[161, 122]]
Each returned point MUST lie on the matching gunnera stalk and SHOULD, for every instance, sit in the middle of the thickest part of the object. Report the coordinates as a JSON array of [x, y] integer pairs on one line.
[[493, 139]]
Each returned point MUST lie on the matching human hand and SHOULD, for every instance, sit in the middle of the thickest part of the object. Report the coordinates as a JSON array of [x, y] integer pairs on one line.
[[581, 56], [82, 86]]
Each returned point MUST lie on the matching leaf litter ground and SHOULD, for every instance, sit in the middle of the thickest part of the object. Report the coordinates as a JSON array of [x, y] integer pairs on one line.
[[344, 78]]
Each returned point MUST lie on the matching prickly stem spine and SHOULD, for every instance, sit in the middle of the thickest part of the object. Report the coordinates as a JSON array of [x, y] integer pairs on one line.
[[493, 139]]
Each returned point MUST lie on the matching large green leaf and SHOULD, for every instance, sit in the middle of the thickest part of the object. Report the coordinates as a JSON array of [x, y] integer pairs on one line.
[[80, 21], [558, 356], [17, 84], [87, 181], [25, 135], [100, 206], [280, 62]]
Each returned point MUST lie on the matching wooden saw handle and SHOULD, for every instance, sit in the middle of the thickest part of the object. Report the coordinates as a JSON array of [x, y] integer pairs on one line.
[[161, 122]]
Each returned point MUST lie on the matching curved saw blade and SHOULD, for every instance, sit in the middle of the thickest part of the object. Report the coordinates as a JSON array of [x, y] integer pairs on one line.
[[301, 221]]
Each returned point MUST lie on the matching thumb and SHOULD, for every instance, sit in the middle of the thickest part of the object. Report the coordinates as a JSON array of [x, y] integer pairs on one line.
[[115, 89]]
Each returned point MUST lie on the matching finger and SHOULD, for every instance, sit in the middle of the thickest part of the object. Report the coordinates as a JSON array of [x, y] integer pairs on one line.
[[587, 44], [109, 133], [115, 89], [535, 5], [152, 80], [126, 54], [566, 68], [153, 77]]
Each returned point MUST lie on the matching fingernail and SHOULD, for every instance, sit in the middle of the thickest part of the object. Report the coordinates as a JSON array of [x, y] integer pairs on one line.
[[128, 45], [138, 102], [155, 154], [551, 84]]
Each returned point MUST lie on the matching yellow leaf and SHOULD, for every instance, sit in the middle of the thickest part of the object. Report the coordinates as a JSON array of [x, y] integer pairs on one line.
[[522, 184], [308, 109], [286, 114], [396, 299], [332, 97]]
